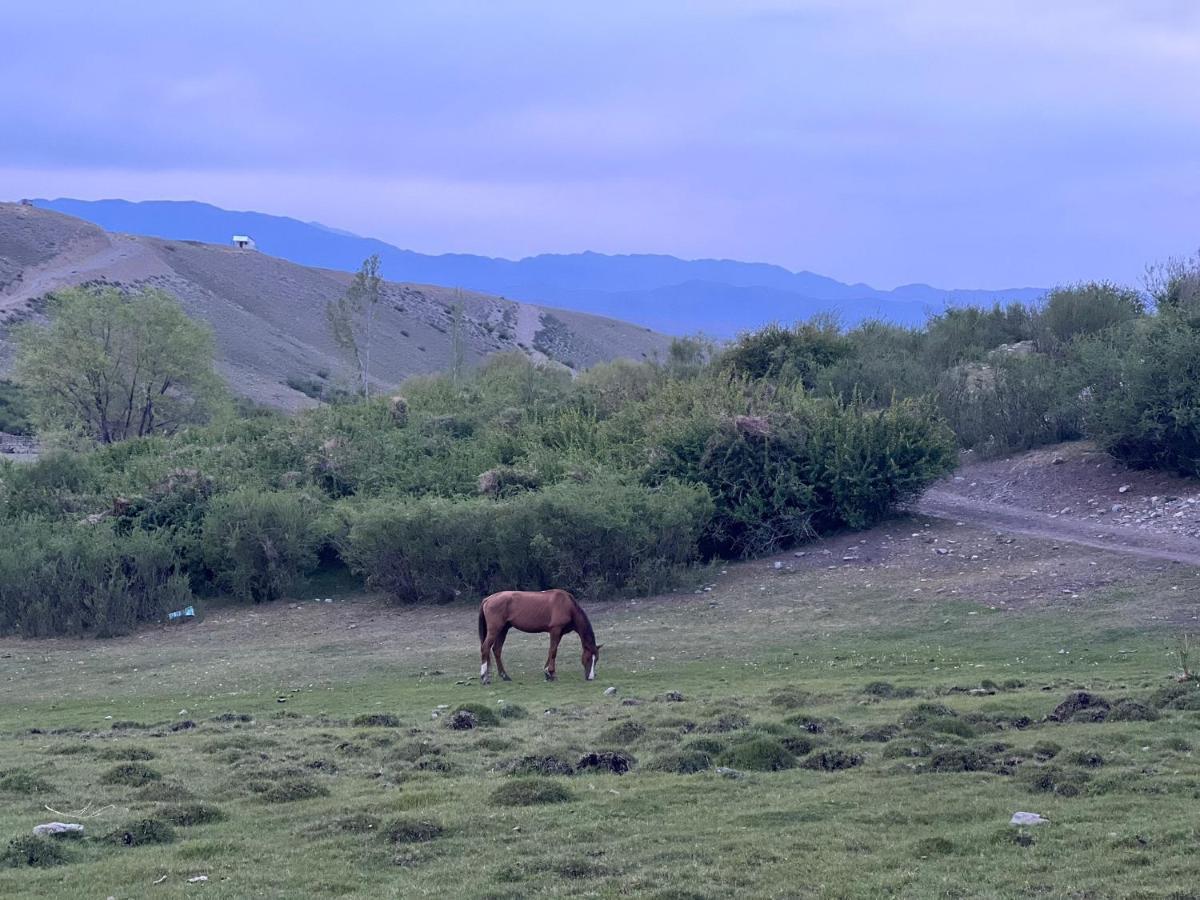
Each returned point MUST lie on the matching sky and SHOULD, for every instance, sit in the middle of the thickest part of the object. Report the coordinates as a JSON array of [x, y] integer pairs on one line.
[[963, 143]]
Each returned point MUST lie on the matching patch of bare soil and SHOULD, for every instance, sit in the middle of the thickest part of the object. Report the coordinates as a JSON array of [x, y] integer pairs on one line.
[[1078, 494]]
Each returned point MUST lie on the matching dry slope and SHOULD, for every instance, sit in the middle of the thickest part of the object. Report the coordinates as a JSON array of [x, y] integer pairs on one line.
[[268, 314]]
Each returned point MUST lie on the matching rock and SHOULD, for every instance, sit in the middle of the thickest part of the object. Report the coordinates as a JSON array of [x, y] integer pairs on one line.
[[1123, 489], [1027, 818], [941, 551], [673, 697], [1058, 461], [631, 701], [609, 691], [778, 566], [51, 828], [726, 772]]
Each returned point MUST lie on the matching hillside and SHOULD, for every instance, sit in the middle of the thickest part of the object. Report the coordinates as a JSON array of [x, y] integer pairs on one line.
[[719, 297], [268, 313]]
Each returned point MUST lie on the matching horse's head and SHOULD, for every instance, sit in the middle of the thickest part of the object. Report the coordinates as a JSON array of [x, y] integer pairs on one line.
[[591, 656]]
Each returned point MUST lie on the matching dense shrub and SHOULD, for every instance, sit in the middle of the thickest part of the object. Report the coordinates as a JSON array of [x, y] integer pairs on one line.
[[597, 538], [1143, 392], [259, 544], [85, 579], [818, 465]]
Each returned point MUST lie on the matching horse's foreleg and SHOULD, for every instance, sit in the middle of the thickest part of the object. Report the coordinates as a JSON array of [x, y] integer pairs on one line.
[[498, 648], [555, 637]]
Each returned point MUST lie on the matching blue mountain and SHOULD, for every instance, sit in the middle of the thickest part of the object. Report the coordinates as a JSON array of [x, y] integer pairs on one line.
[[717, 296]]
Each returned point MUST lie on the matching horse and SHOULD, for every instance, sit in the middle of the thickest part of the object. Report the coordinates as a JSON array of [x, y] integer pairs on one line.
[[554, 611]]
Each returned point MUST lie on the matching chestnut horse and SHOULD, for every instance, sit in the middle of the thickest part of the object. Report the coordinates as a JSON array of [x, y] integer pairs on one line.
[[555, 611]]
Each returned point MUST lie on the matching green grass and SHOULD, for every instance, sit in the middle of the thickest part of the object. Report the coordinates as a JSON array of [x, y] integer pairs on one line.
[[848, 787]]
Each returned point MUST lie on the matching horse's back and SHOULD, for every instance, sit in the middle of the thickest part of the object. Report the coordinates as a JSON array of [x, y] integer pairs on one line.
[[530, 610]]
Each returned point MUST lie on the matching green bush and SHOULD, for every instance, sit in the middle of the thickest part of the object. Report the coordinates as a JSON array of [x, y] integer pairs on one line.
[[258, 544], [85, 579], [804, 467], [15, 412], [599, 538], [1143, 393]]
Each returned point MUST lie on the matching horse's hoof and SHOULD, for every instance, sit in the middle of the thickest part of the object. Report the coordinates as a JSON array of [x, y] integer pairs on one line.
[[549, 676], [486, 679], [504, 676]]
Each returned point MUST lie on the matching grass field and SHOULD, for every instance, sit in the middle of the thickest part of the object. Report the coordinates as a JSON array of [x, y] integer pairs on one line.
[[292, 751]]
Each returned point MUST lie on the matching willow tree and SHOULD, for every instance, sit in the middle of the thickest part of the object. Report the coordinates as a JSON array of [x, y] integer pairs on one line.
[[114, 365], [351, 319]]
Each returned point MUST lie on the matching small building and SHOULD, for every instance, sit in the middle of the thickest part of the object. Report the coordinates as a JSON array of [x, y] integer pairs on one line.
[[243, 242]]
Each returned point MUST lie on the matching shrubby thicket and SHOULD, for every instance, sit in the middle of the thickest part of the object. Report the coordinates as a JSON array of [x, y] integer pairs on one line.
[[608, 483]]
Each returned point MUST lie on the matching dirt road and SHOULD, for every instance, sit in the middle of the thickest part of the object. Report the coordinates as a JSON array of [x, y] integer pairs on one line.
[[1075, 494]]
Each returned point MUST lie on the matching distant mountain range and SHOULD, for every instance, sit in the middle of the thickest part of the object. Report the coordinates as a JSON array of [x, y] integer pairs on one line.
[[676, 296]]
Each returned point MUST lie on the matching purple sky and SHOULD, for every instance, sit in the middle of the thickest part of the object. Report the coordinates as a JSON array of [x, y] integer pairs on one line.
[[959, 142]]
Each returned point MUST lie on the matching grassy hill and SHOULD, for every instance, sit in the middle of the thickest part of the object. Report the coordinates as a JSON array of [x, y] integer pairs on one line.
[[268, 313]]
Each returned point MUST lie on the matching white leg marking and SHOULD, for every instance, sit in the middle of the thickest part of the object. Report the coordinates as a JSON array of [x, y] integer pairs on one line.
[[483, 670], [592, 673]]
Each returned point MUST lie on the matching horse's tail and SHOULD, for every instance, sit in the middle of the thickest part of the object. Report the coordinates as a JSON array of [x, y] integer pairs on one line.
[[482, 624]]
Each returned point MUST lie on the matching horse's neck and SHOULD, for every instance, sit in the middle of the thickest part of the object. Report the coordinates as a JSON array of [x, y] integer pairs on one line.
[[583, 628]]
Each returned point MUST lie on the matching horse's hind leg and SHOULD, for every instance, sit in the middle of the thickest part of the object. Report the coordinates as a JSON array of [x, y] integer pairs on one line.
[[555, 637], [498, 648], [485, 654]]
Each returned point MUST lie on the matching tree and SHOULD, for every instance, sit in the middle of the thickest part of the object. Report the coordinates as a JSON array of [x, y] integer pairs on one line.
[[458, 336], [352, 316], [113, 366]]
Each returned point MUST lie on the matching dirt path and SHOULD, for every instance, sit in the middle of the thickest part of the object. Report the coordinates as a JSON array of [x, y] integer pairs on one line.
[[116, 257], [529, 323], [1016, 520], [1075, 494]]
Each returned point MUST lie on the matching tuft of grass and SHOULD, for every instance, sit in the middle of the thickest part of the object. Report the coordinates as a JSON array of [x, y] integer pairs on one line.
[[538, 765], [18, 782], [708, 745], [885, 690], [921, 715], [1044, 750], [606, 761], [790, 697], [1052, 780], [1129, 710], [484, 715], [531, 792], [376, 720], [833, 760], [907, 749], [1087, 759], [513, 711], [759, 754], [622, 734], [143, 832], [412, 831], [185, 815], [130, 754], [35, 852], [726, 722], [1179, 695], [960, 759], [163, 792], [289, 789], [132, 774], [681, 762]]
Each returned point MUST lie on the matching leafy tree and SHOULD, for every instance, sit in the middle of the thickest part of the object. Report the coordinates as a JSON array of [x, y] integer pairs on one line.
[[351, 319], [113, 366], [1086, 309], [790, 354]]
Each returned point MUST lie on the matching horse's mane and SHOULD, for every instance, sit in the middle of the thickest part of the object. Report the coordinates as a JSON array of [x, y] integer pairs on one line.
[[583, 624]]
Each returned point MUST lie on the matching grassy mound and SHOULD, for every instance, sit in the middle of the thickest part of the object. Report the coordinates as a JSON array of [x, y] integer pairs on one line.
[[531, 792]]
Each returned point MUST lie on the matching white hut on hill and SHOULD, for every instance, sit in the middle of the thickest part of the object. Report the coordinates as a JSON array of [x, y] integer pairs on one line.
[[243, 242]]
